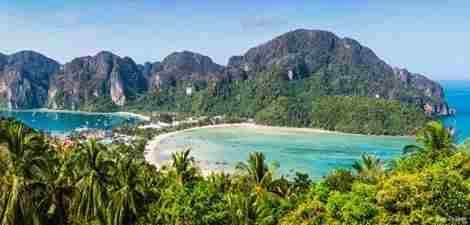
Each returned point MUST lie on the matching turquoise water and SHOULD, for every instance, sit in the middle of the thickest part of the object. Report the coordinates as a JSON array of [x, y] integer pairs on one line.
[[458, 96], [309, 152], [312, 153], [65, 122]]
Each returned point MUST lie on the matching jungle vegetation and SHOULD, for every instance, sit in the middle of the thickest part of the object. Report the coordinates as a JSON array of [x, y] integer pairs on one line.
[[46, 182], [318, 101]]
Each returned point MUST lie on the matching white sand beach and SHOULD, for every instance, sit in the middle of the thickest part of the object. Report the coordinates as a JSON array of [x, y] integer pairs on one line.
[[159, 157], [130, 114]]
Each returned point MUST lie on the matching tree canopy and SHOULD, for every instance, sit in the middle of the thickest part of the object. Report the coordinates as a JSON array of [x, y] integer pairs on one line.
[[45, 183]]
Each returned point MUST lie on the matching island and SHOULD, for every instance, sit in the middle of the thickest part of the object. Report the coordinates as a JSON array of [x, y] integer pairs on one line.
[[303, 78], [309, 80]]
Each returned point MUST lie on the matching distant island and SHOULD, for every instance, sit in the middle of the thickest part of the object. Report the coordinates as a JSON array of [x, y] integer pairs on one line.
[[304, 78]]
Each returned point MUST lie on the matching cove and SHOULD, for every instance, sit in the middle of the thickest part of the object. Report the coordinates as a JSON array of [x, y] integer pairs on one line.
[[64, 122], [308, 152], [314, 153]]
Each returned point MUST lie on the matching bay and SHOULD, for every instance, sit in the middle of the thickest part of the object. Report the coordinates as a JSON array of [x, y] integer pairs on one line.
[[314, 153], [64, 122]]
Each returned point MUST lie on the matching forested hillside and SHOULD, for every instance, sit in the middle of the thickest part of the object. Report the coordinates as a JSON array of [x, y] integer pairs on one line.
[[311, 102], [280, 82]]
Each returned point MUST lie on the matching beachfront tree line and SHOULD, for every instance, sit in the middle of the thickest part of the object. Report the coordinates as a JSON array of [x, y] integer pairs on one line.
[[326, 100], [79, 183]]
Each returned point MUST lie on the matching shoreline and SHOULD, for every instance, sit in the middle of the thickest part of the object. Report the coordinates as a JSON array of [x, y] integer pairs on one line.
[[131, 114], [155, 156], [123, 114]]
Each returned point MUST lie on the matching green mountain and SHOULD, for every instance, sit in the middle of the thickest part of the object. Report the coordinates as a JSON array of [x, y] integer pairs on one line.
[[305, 78], [308, 79]]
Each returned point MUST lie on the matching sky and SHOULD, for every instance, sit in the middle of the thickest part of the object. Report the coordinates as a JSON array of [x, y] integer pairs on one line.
[[431, 37]]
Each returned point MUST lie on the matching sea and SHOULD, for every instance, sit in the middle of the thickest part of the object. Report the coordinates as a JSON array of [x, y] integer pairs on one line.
[[65, 122], [458, 97], [313, 153], [316, 154]]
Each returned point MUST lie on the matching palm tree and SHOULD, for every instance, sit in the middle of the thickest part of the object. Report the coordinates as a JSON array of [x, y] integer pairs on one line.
[[283, 188], [184, 166], [59, 186], [3, 161], [369, 166], [220, 181], [257, 171], [434, 137], [466, 145], [24, 162], [25, 149], [126, 201], [93, 176], [248, 209], [241, 208]]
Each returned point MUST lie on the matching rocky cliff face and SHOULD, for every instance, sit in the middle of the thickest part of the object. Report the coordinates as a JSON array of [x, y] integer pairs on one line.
[[186, 68], [349, 68], [344, 66], [24, 79], [429, 93], [86, 79]]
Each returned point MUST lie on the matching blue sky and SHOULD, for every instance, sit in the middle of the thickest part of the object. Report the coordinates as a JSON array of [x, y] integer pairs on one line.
[[429, 37]]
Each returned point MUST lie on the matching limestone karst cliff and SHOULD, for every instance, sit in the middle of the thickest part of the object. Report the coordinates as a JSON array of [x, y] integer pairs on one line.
[[31, 80]]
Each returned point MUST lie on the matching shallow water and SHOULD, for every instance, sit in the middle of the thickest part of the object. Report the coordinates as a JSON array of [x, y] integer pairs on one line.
[[309, 152], [63, 122], [312, 153], [221, 148]]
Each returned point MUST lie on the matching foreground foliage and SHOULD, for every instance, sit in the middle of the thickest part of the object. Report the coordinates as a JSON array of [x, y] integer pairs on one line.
[[44, 182]]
